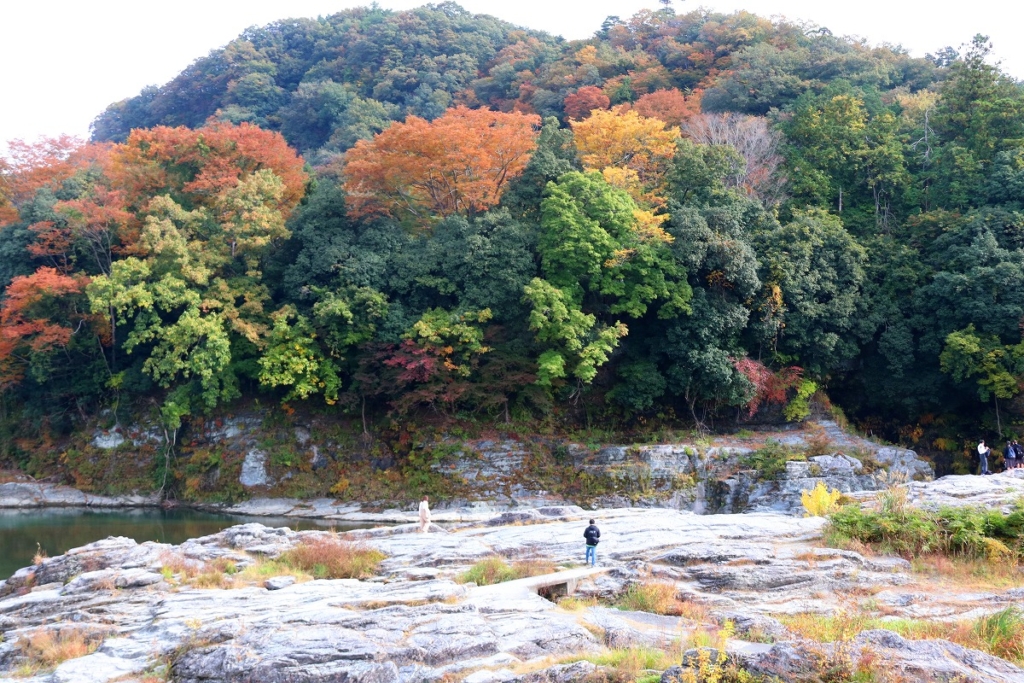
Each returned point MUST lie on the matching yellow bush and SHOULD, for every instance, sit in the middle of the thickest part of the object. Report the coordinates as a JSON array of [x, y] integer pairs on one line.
[[820, 501], [710, 664], [996, 549]]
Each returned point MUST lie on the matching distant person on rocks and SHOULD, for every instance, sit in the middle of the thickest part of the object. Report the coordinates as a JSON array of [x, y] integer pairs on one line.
[[983, 453], [1010, 456], [1018, 451], [424, 515], [592, 534]]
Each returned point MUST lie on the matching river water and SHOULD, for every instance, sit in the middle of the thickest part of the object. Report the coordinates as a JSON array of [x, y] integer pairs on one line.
[[57, 530]]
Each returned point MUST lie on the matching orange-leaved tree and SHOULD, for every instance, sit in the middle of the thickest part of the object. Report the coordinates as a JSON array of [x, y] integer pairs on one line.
[[95, 225], [48, 162], [669, 105], [579, 104], [38, 316], [420, 170], [197, 166]]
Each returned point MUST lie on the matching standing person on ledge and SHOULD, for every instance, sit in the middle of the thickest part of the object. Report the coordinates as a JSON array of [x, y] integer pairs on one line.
[[592, 533], [983, 453], [1009, 456], [424, 515]]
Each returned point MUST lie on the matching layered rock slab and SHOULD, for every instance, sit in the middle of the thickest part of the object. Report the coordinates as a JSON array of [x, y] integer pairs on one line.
[[415, 624]]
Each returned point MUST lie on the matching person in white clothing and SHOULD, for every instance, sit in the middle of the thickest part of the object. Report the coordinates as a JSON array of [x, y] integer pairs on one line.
[[983, 453], [424, 515]]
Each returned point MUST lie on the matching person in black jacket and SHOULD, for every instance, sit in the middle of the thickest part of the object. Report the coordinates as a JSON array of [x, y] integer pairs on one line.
[[592, 533]]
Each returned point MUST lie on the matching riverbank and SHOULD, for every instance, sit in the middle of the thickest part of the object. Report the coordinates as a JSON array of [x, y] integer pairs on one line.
[[753, 583], [26, 532], [473, 479], [32, 494]]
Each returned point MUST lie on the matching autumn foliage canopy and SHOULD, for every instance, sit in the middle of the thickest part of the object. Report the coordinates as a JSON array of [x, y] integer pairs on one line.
[[579, 104], [418, 170], [669, 105], [172, 221]]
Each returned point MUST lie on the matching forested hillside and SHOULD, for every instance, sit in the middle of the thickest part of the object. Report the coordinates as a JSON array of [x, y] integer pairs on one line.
[[691, 219]]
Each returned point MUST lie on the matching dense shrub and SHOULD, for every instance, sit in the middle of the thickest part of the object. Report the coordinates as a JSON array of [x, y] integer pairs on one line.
[[965, 532], [770, 460], [820, 500]]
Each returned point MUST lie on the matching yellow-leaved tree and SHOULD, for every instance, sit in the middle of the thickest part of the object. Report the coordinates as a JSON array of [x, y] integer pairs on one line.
[[633, 152]]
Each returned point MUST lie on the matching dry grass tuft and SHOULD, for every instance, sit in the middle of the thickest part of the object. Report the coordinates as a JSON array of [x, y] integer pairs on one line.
[[105, 584], [197, 573], [996, 634], [694, 611], [326, 557], [622, 665], [263, 569], [173, 564], [632, 663], [43, 649], [329, 557], [819, 443], [968, 574], [572, 603], [656, 598]]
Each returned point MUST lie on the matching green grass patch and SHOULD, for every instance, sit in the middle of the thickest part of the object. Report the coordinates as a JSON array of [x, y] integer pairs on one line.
[[770, 460], [492, 570]]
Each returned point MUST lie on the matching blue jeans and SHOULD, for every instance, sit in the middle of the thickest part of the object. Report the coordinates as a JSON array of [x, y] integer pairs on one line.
[[984, 462], [591, 555]]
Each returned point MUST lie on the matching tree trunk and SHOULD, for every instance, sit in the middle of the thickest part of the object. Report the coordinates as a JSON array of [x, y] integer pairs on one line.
[[169, 441], [365, 431], [999, 424]]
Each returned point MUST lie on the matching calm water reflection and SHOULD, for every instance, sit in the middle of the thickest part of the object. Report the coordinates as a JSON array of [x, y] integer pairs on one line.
[[57, 530]]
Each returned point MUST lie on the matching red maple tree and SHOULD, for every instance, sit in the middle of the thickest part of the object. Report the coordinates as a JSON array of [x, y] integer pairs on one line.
[[35, 318], [769, 386], [579, 104]]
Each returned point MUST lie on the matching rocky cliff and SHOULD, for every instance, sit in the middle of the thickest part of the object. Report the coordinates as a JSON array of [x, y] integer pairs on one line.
[[756, 472]]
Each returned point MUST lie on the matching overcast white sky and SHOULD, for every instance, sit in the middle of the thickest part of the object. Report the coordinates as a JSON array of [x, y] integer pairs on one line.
[[64, 61]]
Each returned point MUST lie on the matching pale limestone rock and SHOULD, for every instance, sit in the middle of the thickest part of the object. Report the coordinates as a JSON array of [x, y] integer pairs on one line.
[[254, 469], [278, 582], [416, 624], [137, 578], [107, 440]]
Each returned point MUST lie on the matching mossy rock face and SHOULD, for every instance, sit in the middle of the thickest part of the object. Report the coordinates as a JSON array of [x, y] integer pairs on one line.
[[724, 497]]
